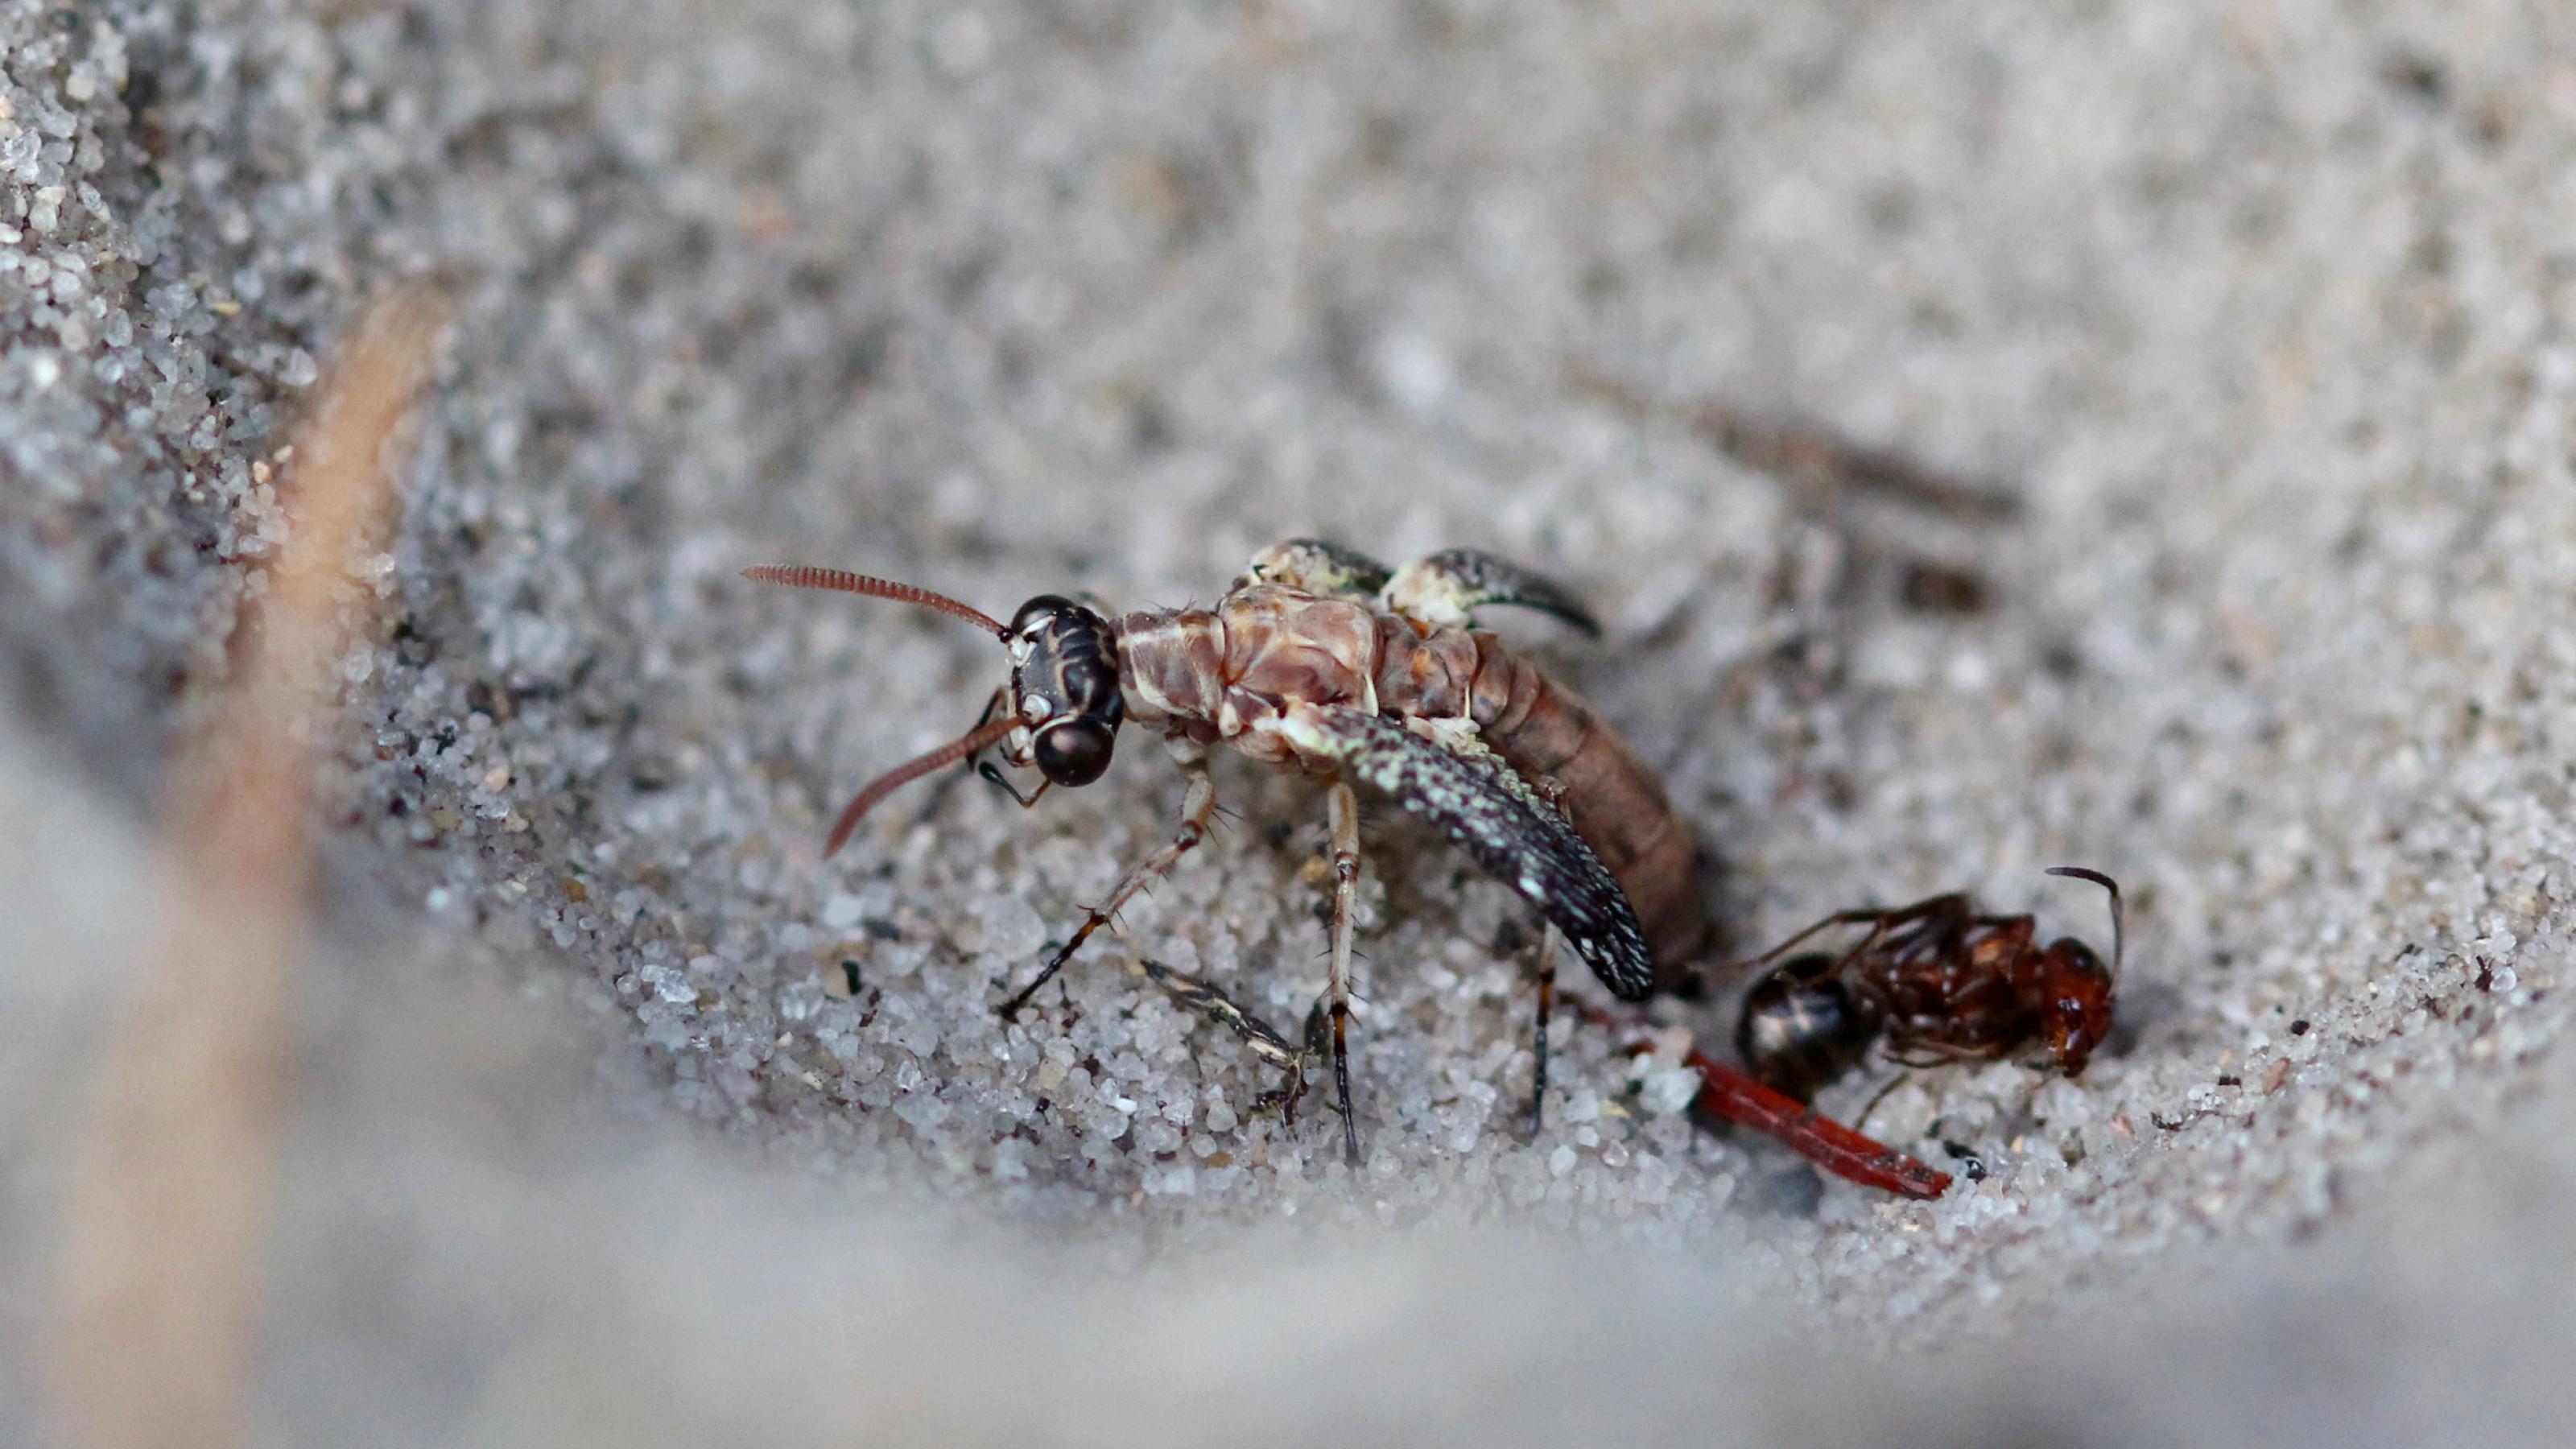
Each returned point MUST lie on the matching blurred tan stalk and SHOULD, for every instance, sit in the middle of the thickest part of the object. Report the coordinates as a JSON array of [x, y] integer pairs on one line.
[[159, 1283]]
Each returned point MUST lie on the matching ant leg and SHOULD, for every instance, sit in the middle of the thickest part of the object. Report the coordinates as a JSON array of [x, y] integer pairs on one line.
[[1546, 1000], [1342, 810], [1198, 807], [1864, 917], [1861, 1119], [1727, 1095], [1879, 921]]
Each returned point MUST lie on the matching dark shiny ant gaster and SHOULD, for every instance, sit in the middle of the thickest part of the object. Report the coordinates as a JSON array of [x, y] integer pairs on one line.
[[1937, 982], [1323, 660]]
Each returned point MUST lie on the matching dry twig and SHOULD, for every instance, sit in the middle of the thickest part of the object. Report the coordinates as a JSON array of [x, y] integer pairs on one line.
[[161, 1284]]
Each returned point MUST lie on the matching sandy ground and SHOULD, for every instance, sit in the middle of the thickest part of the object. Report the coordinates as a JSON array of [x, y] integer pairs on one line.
[[2247, 330]]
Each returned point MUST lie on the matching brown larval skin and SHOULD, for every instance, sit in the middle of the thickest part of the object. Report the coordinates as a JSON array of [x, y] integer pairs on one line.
[[1229, 673], [1616, 803]]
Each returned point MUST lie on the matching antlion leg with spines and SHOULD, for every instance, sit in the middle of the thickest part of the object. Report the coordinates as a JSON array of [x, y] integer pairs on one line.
[[1198, 809], [1264, 1040], [1547, 944], [1342, 808]]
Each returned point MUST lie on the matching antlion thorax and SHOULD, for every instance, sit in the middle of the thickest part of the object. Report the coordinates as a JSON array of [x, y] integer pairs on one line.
[[1229, 673]]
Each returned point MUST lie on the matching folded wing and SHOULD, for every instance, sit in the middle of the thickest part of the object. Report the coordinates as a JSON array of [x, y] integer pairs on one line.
[[1503, 824]]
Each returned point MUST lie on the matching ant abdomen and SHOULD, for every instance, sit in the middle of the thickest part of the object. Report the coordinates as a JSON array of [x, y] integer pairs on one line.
[[1802, 1028]]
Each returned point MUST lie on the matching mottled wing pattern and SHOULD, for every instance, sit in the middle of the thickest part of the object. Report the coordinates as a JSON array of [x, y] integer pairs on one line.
[[1319, 567], [1448, 586], [1493, 814]]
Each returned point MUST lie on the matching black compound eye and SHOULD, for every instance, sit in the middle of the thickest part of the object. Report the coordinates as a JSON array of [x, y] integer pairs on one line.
[[1041, 608], [1073, 753]]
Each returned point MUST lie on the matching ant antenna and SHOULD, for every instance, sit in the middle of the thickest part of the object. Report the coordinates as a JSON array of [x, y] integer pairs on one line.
[[911, 770], [2118, 933], [801, 577]]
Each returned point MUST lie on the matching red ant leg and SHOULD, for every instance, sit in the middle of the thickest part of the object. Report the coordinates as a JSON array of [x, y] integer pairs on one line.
[[1728, 1095]]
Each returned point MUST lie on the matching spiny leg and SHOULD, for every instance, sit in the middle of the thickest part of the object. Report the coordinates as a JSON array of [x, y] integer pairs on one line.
[[1546, 1002], [1318, 1031], [1198, 807], [1342, 809], [1208, 999], [1552, 793]]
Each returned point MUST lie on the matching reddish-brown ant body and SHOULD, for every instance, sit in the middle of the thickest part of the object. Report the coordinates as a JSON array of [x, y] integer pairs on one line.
[[1937, 982]]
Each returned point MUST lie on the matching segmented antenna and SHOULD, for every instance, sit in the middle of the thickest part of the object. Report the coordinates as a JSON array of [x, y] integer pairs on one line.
[[2119, 942], [802, 577], [909, 771]]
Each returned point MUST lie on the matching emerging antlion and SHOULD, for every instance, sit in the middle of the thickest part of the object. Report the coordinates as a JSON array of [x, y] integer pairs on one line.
[[1324, 660]]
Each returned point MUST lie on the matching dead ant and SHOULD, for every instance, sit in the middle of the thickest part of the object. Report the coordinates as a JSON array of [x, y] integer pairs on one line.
[[1322, 659], [1937, 982]]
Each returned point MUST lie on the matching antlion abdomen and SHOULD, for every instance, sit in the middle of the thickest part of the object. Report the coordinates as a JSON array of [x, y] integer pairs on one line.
[[1544, 730], [1616, 803], [1234, 672]]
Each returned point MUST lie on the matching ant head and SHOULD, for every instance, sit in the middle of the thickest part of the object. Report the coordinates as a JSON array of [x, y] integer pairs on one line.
[[2076, 1015], [1064, 688], [2079, 988]]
